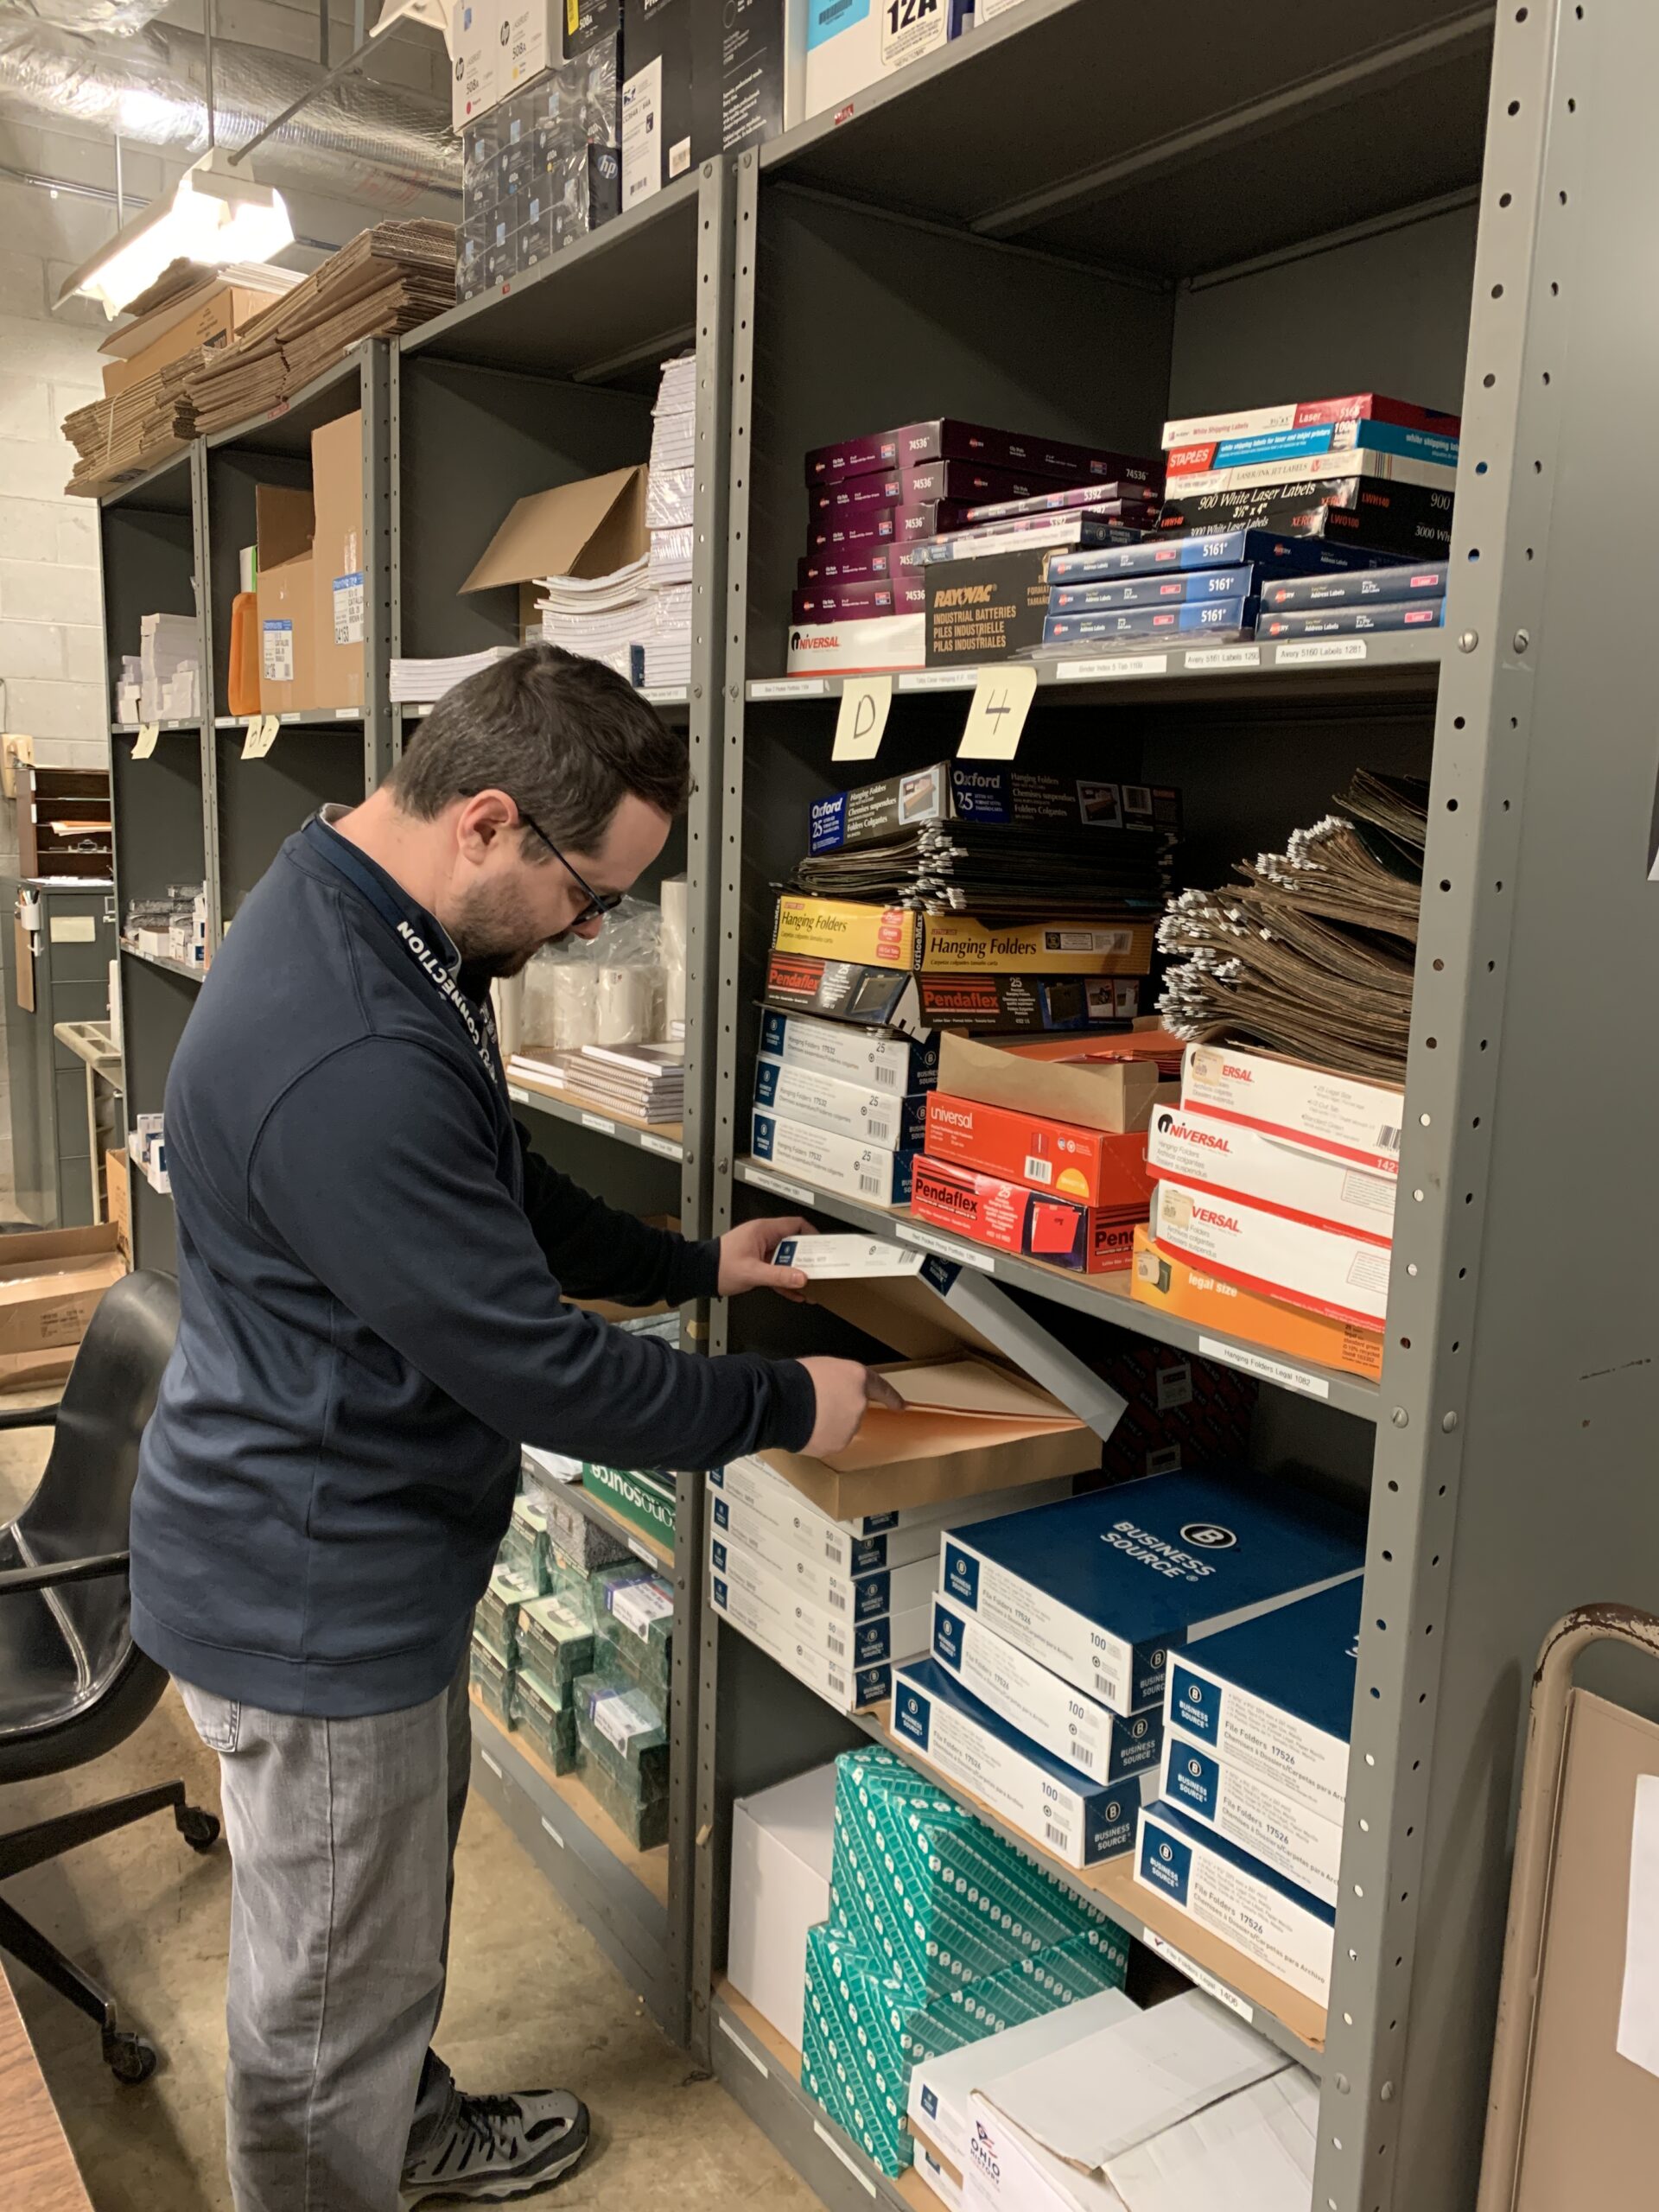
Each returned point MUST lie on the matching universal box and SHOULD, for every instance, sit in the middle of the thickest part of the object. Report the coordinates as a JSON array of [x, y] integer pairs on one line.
[[847, 1110], [1275, 1698], [876, 1173], [1012, 1217], [894, 1067], [1060, 1159], [1101, 1589], [1313, 1107], [848, 1689], [1239, 1805], [895, 641], [1229, 1159], [1284, 1930], [1173, 1285], [1062, 1810], [1055, 1715], [847, 1599], [1327, 1271]]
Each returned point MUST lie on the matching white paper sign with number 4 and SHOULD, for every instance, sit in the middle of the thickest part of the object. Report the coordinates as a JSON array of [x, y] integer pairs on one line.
[[996, 714]]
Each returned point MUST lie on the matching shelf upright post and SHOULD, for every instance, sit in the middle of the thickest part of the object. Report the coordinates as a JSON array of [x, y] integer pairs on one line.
[[378, 476], [200, 553]]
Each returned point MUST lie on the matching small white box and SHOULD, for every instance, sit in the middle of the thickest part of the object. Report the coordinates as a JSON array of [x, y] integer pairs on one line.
[[782, 1843], [1333, 1114], [876, 1641], [1221, 1888], [870, 1172], [846, 1690], [849, 1109], [1326, 1271], [474, 40], [846, 1598], [530, 35], [844, 648], [1248, 1810], [851, 1053], [1206, 1152]]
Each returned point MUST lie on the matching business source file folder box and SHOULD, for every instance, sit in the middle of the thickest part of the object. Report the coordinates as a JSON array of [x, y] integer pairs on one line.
[[1101, 1588], [1284, 1928]]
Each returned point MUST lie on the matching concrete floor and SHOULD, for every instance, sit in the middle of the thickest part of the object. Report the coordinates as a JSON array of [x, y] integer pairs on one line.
[[531, 1999]]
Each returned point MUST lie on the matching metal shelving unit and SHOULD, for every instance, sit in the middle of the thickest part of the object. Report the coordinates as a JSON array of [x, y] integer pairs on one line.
[[1403, 197]]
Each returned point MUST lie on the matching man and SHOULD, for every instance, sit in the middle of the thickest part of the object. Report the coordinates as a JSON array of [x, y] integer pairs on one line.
[[371, 1264]]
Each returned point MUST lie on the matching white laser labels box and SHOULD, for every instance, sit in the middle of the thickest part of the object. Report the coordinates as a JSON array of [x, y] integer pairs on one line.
[[1207, 1153], [1334, 1114], [848, 1110], [1248, 1810], [1100, 1589], [782, 1843], [847, 1596], [894, 1065], [833, 1163], [1328, 1271], [1054, 1715], [1276, 1696], [846, 1688], [1282, 1927]]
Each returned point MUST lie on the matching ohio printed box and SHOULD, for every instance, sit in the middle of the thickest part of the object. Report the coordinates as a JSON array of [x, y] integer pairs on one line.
[[1276, 1697], [1081, 1821], [1283, 1928], [1055, 1715], [1101, 1588]]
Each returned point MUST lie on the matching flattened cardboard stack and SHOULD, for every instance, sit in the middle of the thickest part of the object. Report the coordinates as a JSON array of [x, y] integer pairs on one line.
[[117, 440], [386, 281]]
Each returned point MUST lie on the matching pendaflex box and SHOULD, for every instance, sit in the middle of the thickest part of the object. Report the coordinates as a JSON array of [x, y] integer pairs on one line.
[[1055, 1715], [1102, 1588], [855, 1644], [834, 1163], [1412, 579], [894, 1065], [1283, 1928], [1013, 1217], [848, 1689], [854, 1598], [1242, 1806], [1344, 621], [1062, 1810], [1226, 616], [1206, 1152], [1314, 1107], [1184, 586], [848, 1110], [1277, 1696], [1098, 1167], [1339, 1272], [1268, 552]]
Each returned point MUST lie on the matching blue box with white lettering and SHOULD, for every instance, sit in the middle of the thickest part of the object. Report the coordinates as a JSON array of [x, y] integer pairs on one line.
[[1187, 586], [1221, 1889], [1270, 552], [1344, 621], [1101, 1588], [1022, 1691], [1228, 617], [1276, 1695], [1080, 1819], [1418, 580]]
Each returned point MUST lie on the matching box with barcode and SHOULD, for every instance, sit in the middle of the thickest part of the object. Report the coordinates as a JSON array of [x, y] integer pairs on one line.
[[857, 1643], [895, 1066], [647, 1501], [898, 1120], [548, 1718], [1081, 1821], [1282, 1927], [892, 1541], [497, 1617], [1253, 1813], [642, 1818], [1337, 1115], [846, 1688], [1334, 1273], [622, 1726], [874, 1172], [634, 1622], [847, 1596]]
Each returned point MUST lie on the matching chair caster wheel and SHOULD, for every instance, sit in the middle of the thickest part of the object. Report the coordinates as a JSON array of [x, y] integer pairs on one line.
[[128, 2058], [198, 1829]]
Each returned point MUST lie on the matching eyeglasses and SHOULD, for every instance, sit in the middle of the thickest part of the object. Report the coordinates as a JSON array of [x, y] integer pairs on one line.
[[600, 903]]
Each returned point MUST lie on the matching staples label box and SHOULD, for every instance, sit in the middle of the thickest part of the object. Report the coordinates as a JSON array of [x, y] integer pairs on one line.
[[1334, 1114], [1208, 1153], [848, 1110], [1221, 1888], [1277, 1696], [1079, 1821], [992, 1401], [1328, 1271], [1240, 1805], [1055, 1716], [1101, 1588]]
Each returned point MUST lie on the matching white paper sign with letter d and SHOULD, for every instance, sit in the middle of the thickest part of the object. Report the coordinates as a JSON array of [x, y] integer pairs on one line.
[[996, 715], [865, 703]]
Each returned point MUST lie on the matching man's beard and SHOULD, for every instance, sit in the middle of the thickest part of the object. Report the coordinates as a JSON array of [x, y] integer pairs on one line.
[[494, 934]]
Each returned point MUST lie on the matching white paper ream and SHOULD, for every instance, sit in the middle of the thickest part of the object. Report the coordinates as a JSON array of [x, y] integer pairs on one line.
[[1638, 2012], [1252, 2152]]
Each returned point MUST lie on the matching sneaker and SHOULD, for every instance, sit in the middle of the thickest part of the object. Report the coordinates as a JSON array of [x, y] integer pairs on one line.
[[501, 2148]]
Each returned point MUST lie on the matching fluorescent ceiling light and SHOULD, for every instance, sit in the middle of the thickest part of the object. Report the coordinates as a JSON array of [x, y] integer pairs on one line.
[[217, 215]]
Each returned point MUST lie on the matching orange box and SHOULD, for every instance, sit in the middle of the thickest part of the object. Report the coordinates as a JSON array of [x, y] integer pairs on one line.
[[1173, 1285], [986, 1210], [1097, 1167]]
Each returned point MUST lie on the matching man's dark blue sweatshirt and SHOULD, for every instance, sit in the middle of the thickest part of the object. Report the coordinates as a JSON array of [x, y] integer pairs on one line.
[[371, 1264]]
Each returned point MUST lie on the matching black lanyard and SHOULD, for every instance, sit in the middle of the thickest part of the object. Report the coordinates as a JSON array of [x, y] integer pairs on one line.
[[479, 1022]]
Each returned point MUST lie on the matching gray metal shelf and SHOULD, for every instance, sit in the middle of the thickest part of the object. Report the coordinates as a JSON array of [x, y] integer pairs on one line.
[[666, 1143], [161, 960]]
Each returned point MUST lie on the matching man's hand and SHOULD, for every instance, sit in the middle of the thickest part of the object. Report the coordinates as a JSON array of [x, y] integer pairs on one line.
[[845, 1388], [745, 1257]]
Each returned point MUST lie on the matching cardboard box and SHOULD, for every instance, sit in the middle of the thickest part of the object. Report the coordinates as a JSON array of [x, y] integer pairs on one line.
[[870, 1544], [848, 1110], [1227, 1158], [848, 1689], [1060, 1159], [781, 1844], [1054, 1715], [893, 641], [1277, 1697], [209, 316], [337, 560], [916, 1006], [284, 523], [1316, 1108], [1168, 1281], [117, 1198], [1100, 1589], [739, 75], [869, 1596], [893, 936], [50, 1281], [1080, 1821], [1248, 1810], [986, 609], [1110, 1086], [1324, 1271], [958, 1335], [876, 1173], [1282, 1927], [657, 105], [588, 528], [1012, 1217], [896, 1066]]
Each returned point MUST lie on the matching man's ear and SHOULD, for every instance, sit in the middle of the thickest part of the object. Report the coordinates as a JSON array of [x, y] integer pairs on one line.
[[481, 819]]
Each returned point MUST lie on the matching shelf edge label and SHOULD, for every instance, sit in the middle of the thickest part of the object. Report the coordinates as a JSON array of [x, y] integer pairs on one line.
[[1194, 1972], [779, 1189], [1267, 1371], [664, 1145], [1096, 671], [966, 1255], [1225, 657], [1302, 650]]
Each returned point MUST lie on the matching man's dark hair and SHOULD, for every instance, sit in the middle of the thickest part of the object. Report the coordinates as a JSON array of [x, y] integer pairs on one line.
[[567, 737]]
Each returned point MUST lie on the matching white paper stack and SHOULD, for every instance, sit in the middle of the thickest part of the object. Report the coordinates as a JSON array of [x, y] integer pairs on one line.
[[602, 618], [415, 681], [645, 1081], [129, 692], [670, 502], [169, 669]]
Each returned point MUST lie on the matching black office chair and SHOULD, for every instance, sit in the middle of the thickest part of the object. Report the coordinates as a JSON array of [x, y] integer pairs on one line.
[[73, 1683]]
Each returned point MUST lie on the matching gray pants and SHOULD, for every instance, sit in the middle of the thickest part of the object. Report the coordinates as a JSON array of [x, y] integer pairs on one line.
[[342, 1837]]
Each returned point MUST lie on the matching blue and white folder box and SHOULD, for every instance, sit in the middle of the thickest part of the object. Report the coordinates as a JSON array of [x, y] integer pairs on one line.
[[1062, 1810], [1275, 1698], [1054, 1715], [847, 1688], [846, 1109], [893, 1065], [845, 1163], [857, 1643], [1281, 1928], [1101, 1589], [847, 1597], [1239, 1806]]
